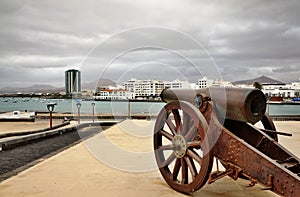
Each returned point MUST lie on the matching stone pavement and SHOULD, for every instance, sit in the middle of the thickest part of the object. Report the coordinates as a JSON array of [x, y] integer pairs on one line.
[[92, 168]]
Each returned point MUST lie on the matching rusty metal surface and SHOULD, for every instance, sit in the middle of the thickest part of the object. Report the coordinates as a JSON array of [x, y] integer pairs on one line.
[[243, 104], [179, 157], [268, 124], [243, 149]]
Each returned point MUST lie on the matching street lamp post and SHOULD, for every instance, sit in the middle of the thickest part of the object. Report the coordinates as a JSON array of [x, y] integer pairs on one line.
[[129, 112], [93, 111], [50, 107], [78, 110]]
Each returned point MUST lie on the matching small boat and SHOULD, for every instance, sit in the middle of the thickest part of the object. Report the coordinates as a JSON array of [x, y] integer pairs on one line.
[[43, 100]]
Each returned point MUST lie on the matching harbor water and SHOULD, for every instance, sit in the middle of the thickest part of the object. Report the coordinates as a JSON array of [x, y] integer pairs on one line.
[[110, 107], [69, 106]]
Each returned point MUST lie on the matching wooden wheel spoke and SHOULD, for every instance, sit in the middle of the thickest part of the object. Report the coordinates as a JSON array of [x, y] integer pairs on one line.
[[190, 163], [194, 155], [186, 124], [176, 117], [167, 147], [176, 169], [166, 134], [168, 161], [191, 133], [194, 144], [171, 126], [184, 172]]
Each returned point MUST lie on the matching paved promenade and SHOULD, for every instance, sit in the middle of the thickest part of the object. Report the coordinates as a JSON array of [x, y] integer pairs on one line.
[[86, 169], [6, 127]]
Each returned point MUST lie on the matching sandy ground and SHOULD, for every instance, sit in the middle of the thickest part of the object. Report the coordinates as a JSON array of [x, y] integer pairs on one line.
[[106, 165], [291, 143], [6, 127]]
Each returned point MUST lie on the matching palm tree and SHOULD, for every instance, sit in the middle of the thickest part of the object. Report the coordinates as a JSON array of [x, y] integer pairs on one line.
[[258, 85]]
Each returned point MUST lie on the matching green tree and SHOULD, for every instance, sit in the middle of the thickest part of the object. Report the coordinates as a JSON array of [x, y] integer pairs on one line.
[[258, 85]]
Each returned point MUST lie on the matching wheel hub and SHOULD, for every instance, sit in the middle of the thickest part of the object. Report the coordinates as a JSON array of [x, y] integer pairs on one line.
[[180, 146]]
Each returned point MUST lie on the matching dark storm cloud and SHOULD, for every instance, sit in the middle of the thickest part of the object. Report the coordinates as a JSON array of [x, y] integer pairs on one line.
[[148, 46], [288, 68], [245, 38]]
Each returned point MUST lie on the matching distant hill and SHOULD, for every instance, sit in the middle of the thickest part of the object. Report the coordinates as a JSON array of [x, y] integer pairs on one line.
[[43, 88], [29, 89], [99, 83], [262, 80]]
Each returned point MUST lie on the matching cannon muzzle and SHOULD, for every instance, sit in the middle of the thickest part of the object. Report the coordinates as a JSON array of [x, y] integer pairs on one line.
[[242, 104]]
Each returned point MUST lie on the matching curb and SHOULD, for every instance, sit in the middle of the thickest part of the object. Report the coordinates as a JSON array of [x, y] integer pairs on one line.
[[6, 144], [11, 134], [285, 117], [98, 116]]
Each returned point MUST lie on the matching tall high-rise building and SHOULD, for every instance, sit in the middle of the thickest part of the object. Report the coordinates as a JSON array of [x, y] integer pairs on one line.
[[73, 83]]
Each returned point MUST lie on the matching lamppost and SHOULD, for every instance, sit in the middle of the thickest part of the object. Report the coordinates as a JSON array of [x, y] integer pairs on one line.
[[93, 111], [129, 112], [78, 110], [50, 107]]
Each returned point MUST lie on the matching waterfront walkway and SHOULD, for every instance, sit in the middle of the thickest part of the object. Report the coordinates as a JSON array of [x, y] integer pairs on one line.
[[78, 172], [8, 127]]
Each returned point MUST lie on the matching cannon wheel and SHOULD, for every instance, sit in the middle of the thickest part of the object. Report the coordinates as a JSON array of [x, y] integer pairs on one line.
[[181, 149], [268, 124]]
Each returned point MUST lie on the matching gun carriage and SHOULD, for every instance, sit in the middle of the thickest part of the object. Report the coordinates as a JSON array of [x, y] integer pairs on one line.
[[196, 126]]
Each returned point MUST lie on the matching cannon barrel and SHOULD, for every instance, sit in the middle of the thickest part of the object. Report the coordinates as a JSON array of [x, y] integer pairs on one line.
[[242, 104]]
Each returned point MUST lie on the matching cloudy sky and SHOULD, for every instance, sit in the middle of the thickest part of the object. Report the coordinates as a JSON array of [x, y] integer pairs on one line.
[[120, 39]]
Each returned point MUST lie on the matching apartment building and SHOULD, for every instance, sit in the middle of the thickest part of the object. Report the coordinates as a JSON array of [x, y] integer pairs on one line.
[[204, 82], [144, 89], [222, 83], [279, 90], [116, 94], [177, 84]]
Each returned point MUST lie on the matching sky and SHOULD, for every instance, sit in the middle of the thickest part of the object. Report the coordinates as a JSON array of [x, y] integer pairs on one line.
[[171, 39]]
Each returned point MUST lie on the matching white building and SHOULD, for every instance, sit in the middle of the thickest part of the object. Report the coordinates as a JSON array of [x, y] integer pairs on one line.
[[115, 94], [177, 84], [279, 90], [222, 83], [296, 87], [240, 85], [204, 82], [143, 89]]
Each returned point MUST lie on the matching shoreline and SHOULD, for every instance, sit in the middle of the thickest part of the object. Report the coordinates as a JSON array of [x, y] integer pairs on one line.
[[285, 117], [103, 116], [139, 116]]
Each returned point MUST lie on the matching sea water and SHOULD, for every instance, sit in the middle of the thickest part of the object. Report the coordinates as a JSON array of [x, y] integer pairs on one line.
[[69, 106], [109, 107]]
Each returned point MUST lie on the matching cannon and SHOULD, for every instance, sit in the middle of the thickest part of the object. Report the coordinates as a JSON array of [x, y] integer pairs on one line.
[[196, 127]]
